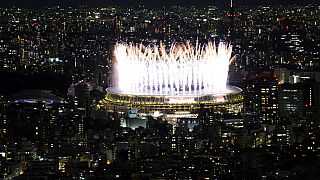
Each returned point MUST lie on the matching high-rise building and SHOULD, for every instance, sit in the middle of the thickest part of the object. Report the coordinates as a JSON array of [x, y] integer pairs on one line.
[[261, 98], [311, 93], [291, 100], [282, 74], [296, 99], [82, 92], [206, 116]]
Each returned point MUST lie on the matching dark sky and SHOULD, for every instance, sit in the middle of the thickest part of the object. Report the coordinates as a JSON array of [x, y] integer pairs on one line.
[[159, 3]]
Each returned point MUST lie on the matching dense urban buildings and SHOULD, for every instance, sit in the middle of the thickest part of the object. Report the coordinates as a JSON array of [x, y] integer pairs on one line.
[[56, 64]]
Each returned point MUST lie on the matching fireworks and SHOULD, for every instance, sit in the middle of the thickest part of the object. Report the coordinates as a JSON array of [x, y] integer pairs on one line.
[[181, 69]]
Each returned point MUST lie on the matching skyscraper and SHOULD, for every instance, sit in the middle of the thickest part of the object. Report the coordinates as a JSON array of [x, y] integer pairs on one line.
[[291, 100], [261, 99]]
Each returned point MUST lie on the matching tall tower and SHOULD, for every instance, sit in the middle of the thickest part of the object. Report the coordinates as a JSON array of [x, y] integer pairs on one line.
[[231, 15], [117, 28]]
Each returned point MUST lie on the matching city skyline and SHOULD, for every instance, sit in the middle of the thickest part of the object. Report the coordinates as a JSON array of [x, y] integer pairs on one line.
[[64, 114], [148, 3]]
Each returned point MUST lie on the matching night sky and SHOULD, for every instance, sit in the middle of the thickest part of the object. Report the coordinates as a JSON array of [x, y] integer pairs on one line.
[[157, 3]]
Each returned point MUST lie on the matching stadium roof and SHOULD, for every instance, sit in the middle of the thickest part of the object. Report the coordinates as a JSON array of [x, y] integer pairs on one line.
[[31, 96]]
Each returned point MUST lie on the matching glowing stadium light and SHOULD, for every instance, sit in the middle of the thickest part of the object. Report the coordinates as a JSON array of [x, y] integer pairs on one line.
[[181, 69]]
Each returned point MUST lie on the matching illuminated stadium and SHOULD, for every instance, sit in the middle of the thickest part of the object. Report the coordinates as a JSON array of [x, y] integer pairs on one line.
[[174, 79]]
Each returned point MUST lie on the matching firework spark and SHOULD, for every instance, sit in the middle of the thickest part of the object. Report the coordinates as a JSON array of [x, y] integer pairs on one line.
[[179, 69]]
